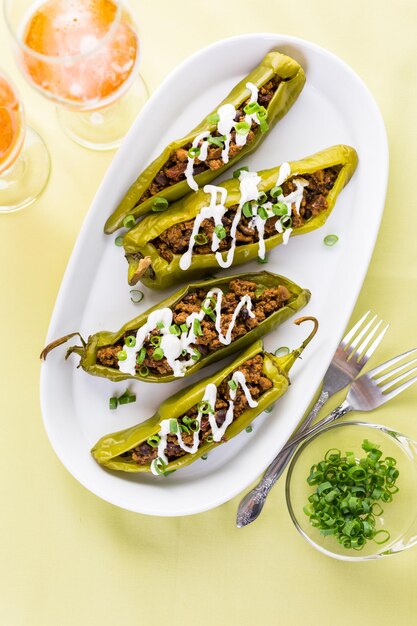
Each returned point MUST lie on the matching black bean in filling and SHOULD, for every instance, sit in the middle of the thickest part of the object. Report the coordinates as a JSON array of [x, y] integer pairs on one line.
[[257, 384], [174, 168], [264, 303], [176, 239]]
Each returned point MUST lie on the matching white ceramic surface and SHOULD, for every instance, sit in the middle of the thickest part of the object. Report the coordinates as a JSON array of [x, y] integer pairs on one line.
[[334, 107]]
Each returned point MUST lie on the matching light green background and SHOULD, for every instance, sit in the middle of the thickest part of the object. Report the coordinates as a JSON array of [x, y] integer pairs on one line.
[[67, 558]]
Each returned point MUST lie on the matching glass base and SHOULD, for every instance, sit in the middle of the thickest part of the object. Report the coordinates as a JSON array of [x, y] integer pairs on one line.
[[25, 180], [105, 129]]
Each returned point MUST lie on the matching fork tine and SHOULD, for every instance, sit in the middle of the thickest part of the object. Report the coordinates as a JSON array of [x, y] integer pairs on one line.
[[353, 330], [369, 352], [363, 332], [397, 380], [383, 366], [397, 390], [391, 373]]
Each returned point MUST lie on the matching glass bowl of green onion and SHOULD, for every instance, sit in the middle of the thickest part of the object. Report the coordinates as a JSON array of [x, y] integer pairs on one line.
[[351, 491]]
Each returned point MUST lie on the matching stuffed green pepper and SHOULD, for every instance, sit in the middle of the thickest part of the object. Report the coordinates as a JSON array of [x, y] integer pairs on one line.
[[230, 132], [194, 327], [238, 220], [199, 418]]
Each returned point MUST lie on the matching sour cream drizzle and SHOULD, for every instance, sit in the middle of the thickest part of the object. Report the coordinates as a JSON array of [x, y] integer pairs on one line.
[[210, 396], [225, 126], [173, 345], [249, 191]]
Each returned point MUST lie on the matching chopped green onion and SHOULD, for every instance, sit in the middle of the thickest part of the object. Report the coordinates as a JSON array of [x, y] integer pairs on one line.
[[330, 240], [112, 403], [194, 152], [160, 204], [119, 241], [262, 113], [232, 384], [220, 231], [286, 222], [153, 441], [158, 354], [214, 118], [184, 328], [160, 325], [345, 503], [130, 341], [127, 398], [173, 426], [155, 341], [242, 128], [197, 328], [251, 108], [121, 355], [209, 438], [160, 466], [204, 407], [201, 239], [282, 351], [262, 198], [174, 329], [217, 141], [184, 352], [263, 126], [136, 296], [144, 371], [263, 213], [275, 192], [196, 356], [249, 429], [247, 209], [279, 209], [236, 173], [141, 356], [269, 409], [194, 426], [209, 311], [204, 457], [129, 221], [262, 261]]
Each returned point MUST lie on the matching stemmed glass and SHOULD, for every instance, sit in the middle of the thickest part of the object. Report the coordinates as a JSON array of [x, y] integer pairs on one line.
[[24, 158], [83, 55]]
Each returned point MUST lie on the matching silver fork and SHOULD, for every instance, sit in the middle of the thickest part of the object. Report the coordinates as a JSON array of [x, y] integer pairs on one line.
[[350, 357], [367, 392]]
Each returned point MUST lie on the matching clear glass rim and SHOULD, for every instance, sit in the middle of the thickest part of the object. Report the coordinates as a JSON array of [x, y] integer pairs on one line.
[[13, 156], [64, 60], [387, 431]]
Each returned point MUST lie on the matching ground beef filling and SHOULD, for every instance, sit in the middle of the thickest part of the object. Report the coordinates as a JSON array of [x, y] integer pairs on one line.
[[176, 239], [174, 168], [257, 384], [264, 303]]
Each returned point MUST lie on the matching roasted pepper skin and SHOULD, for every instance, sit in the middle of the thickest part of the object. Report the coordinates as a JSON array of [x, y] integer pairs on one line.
[[108, 449], [274, 63], [137, 241], [88, 352]]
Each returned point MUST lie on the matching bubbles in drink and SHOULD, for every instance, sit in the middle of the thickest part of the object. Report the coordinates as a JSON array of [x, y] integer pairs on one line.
[[97, 51]]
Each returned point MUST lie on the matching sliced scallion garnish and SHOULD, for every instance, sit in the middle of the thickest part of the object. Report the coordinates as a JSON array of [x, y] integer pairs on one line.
[[153, 441], [173, 426], [160, 204], [262, 198], [144, 371], [200, 239], [249, 429], [279, 209], [213, 118], [121, 355], [158, 354], [204, 457], [237, 172], [209, 438], [196, 355], [141, 356], [194, 152], [184, 328], [251, 108], [127, 398], [113, 403], [286, 221], [263, 126], [217, 141], [174, 329], [232, 384], [160, 325], [130, 341], [220, 231], [262, 113], [261, 260], [129, 221], [263, 213], [247, 209], [119, 241], [242, 128], [204, 407], [275, 192], [155, 341], [136, 296], [330, 240], [197, 328]]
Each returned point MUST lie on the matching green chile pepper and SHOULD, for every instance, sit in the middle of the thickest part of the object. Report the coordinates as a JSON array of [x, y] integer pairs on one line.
[[146, 264], [88, 351], [108, 450], [274, 63]]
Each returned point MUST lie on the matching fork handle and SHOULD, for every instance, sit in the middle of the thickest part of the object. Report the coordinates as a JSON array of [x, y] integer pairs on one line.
[[339, 411], [252, 504]]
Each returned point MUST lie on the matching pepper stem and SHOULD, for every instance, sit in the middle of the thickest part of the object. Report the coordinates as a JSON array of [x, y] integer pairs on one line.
[[58, 342], [286, 362]]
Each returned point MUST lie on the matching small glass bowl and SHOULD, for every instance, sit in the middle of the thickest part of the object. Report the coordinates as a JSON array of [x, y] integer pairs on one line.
[[399, 516]]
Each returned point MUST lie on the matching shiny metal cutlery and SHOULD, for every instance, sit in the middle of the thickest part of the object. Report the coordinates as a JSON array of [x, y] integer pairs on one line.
[[350, 357]]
